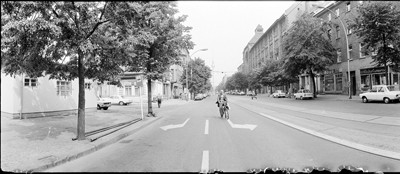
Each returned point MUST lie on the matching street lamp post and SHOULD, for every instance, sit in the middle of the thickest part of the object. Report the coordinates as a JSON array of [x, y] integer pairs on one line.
[[187, 67], [347, 46]]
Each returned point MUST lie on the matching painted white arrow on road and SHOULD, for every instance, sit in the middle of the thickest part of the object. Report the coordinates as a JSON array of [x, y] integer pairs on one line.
[[242, 126], [172, 126]]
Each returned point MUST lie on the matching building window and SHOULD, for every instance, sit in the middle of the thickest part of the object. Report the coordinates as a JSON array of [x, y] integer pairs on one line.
[[395, 79], [339, 85], [329, 17], [128, 90], [329, 34], [32, 82], [374, 52], [339, 55], [337, 12], [64, 88], [337, 32], [363, 51], [87, 85], [350, 49], [348, 7]]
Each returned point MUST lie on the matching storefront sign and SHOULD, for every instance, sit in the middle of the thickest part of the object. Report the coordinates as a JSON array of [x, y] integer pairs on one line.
[[372, 71]]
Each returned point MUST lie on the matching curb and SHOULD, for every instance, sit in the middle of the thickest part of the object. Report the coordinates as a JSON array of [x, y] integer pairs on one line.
[[93, 149]]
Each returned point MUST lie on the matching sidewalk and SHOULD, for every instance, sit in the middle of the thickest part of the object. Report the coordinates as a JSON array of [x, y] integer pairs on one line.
[[40, 143], [336, 97]]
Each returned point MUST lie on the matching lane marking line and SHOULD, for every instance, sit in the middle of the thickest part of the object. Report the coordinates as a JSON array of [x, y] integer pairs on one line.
[[373, 150], [242, 126], [206, 128], [204, 162], [174, 126]]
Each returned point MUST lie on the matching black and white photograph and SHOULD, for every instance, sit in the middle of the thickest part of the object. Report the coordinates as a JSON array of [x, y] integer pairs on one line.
[[200, 86]]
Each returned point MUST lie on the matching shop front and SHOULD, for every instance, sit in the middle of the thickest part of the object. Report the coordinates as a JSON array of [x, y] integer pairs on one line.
[[372, 76], [377, 76], [333, 82]]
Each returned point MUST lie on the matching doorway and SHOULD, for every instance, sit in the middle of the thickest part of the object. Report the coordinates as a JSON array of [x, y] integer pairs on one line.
[[353, 83]]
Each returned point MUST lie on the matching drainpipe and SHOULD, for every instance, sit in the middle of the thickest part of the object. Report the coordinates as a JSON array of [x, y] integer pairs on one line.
[[21, 98]]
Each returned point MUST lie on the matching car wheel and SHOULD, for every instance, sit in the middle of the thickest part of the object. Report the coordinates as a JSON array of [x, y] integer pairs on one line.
[[364, 100], [386, 100], [105, 108], [301, 97], [98, 107], [121, 103]]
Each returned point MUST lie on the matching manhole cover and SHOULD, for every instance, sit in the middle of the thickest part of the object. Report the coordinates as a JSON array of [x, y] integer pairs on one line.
[[125, 141]]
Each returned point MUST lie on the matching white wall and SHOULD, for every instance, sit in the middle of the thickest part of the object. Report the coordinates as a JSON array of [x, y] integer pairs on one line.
[[43, 97], [10, 89]]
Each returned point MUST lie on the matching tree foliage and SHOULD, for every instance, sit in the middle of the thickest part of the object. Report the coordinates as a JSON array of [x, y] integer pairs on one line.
[[378, 27], [238, 81], [199, 76], [306, 48], [69, 40], [156, 36], [65, 40]]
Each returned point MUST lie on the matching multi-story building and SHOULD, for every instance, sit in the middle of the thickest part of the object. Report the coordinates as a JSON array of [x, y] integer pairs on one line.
[[268, 46], [240, 68], [248, 60], [363, 73], [134, 84]]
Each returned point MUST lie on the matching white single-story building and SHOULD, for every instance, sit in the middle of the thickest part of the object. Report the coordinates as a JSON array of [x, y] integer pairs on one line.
[[24, 97]]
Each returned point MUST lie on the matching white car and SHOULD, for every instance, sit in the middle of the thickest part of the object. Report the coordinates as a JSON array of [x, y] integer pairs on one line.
[[303, 93], [103, 103], [117, 99], [198, 97], [278, 94], [385, 93]]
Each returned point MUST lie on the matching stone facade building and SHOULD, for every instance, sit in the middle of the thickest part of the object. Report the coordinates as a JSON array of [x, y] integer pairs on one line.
[[363, 73]]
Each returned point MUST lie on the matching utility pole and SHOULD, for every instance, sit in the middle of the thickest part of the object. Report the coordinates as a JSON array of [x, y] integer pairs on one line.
[[212, 67]]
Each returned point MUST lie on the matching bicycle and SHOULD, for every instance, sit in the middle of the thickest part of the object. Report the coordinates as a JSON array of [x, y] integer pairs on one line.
[[224, 111]]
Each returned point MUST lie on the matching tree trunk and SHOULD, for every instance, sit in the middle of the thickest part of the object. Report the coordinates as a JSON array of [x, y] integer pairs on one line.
[[384, 57], [81, 98], [149, 99], [313, 84]]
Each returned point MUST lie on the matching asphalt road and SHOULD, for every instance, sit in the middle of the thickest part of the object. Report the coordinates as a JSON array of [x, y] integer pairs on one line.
[[193, 145]]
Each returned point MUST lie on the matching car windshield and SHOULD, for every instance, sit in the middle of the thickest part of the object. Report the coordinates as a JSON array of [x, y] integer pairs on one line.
[[307, 91]]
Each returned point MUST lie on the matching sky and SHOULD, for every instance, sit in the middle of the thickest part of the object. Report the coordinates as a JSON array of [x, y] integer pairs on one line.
[[225, 28]]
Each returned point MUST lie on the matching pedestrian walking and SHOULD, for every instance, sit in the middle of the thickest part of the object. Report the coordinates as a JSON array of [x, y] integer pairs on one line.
[[159, 100], [254, 95]]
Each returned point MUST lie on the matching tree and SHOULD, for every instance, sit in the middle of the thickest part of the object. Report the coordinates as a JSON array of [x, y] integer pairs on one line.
[[307, 49], [65, 40], [237, 81], [198, 76], [269, 74], [156, 38], [378, 26], [254, 79]]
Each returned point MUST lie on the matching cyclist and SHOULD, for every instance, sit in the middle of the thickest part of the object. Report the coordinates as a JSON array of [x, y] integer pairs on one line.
[[222, 99]]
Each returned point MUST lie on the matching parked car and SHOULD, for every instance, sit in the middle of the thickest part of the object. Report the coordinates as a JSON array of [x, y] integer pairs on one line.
[[278, 94], [121, 100], [103, 103], [385, 93], [303, 93], [198, 97], [242, 93]]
